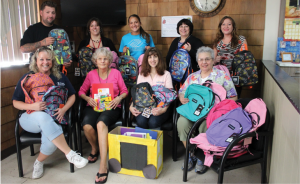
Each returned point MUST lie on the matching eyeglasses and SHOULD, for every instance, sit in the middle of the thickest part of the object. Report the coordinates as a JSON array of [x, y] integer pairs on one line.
[[206, 60]]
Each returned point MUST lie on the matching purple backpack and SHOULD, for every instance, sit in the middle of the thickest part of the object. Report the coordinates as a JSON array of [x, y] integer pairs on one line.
[[225, 128], [163, 95], [54, 97]]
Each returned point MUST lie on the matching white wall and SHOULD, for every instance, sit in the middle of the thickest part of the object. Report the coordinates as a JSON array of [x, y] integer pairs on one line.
[[271, 29]]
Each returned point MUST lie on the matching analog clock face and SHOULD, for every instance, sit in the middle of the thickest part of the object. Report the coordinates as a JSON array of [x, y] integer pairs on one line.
[[206, 6]]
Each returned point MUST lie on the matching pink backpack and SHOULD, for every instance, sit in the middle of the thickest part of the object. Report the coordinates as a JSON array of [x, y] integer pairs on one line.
[[211, 150], [223, 68], [220, 109], [258, 110], [219, 90], [114, 63], [140, 61]]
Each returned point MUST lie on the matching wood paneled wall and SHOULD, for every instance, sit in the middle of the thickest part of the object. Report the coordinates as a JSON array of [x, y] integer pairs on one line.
[[249, 16]]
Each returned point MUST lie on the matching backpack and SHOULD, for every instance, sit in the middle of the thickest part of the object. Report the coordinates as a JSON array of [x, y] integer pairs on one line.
[[218, 90], [180, 65], [61, 46], [54, 97], [225, 128], [140, 62], [258, 111], [244, 66], [128, 67], [163, 95], [201, 100], [222, 68], [85, 60], [34, 87], [220, 109], [142, 96], [114, 63]]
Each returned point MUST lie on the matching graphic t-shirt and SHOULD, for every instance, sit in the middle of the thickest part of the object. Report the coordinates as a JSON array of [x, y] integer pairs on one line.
[[136, 44]]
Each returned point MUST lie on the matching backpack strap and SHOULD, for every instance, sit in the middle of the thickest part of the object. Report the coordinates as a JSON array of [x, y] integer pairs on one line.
[[258, 118]]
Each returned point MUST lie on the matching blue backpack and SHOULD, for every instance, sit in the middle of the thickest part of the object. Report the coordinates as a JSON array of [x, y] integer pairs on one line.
[[128, 66], [180, 65], [163, 95], [201, 100], [54, 97]]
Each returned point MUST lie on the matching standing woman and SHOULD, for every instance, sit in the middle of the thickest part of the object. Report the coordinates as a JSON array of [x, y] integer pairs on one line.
[[95, 124], [95, 38], [228, 43], [138, 41], [154, 72], [191, 44]]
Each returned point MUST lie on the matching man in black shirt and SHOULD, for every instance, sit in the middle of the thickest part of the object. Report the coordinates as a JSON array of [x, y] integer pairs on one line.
[[36, 35]]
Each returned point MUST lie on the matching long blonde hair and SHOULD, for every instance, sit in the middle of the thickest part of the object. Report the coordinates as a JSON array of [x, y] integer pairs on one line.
[[54, 70]]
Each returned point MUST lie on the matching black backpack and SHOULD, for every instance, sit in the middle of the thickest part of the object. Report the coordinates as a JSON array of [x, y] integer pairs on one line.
[[85, 60], [244, 66], [143, 96]]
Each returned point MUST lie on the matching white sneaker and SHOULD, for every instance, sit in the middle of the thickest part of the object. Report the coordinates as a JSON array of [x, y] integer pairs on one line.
[[38, 169], [76, 159]]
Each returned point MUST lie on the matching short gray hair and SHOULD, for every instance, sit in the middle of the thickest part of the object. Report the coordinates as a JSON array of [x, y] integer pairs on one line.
[[206, 50], [102, 51]]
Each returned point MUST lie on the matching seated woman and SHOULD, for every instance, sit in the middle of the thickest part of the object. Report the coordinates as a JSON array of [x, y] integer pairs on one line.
[[95, 124], [228, 43], [43, 61], [95, 38], [191, 43], [205, 58], [154, 72]]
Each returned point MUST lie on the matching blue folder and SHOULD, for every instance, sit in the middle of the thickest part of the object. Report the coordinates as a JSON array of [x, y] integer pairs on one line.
[[153, 134]]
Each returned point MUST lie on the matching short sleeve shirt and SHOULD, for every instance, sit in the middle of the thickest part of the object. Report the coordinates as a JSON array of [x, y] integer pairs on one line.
[[164, 80]]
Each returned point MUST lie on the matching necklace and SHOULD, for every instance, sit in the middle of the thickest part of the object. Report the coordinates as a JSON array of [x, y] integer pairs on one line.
[[96, 41], [100, 78]]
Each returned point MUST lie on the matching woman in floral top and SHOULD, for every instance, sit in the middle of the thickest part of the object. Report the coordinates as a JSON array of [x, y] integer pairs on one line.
[[205, 58]]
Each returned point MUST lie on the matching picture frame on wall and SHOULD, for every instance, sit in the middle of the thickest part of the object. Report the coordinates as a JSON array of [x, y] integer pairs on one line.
[[287, 57], [282, 44]]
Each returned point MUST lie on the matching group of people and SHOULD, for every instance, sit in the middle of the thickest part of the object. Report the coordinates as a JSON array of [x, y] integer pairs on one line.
[[154, 71]]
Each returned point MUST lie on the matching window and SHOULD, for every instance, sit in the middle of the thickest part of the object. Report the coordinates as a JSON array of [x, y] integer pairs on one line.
[[16, 16]]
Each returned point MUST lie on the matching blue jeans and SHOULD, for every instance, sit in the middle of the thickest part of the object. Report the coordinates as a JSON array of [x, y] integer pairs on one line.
[[153, 122], [41, 122]]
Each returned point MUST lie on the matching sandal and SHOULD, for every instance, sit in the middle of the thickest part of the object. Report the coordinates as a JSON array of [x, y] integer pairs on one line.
[[101, 175], [93, 156]]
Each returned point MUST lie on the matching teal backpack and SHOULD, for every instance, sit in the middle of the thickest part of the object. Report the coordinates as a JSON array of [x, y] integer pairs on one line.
[[201, 100]]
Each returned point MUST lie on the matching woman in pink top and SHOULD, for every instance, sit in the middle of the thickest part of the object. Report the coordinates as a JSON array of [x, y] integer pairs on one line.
[[93, 121], [154, 72]]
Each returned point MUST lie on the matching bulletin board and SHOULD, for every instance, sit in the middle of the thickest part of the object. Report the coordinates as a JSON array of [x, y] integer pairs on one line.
[[288, 46], [169, 25]]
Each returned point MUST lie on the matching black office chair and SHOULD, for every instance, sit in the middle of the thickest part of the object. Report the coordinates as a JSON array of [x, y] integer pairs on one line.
[[169, 125], [27, 138], [81, 106], [258, 150]]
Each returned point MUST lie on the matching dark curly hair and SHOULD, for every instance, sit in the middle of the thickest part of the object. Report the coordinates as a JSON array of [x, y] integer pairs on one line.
[[48, 3], [220, 35], [160, 67]]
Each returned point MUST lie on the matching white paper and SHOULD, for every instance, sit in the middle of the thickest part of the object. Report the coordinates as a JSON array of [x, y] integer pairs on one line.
[[287, 57], [169, 25]]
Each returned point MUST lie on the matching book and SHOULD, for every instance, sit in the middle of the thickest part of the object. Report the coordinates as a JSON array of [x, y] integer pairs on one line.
[[103, 94]]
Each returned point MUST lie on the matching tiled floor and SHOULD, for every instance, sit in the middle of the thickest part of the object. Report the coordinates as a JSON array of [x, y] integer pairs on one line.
[[56, 170]]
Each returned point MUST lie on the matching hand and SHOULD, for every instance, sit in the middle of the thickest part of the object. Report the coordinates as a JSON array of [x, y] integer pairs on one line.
[[147, 47], [187, 46], [60, 114], [38, 106], [157, 111], [218, 59], [68, 64], [91, 102], [115, 102], [134, 111], [183, 100], [125, 49], [48, 41]]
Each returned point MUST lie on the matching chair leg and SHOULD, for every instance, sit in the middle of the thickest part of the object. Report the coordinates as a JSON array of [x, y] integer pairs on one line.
[[71, 146], [220, 176], [79, 140], [264, 172], [19, 158], [174, 147], [75, 139], [31, 150], [185, 170]]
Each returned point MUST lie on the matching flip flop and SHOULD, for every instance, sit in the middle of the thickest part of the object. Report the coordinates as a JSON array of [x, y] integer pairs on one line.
[[93, 156], [101, 175]]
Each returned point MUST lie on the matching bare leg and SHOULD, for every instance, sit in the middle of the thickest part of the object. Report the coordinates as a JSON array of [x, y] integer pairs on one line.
[[42, 157], [102, 137], [91, 136], [61, 143], [184, 143]]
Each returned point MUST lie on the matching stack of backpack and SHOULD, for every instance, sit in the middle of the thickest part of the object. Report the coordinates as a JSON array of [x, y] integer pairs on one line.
[[227, 121]]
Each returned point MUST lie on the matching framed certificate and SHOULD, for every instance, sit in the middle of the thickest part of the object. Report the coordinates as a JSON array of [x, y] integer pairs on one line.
[[287, 57]]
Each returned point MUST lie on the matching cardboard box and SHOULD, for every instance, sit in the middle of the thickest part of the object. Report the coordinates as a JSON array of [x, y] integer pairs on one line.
[[135, 156]]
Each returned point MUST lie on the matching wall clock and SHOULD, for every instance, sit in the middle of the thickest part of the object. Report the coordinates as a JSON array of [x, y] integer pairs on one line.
[[207, 8]]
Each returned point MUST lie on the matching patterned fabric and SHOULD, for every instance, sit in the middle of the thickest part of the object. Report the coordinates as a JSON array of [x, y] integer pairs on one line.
[[34, 87], [180, 65], [128, 67], [61, 46], [216, 76], [54, 97], [227, 52], [85, 60], [142, 96], [163, 96]]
